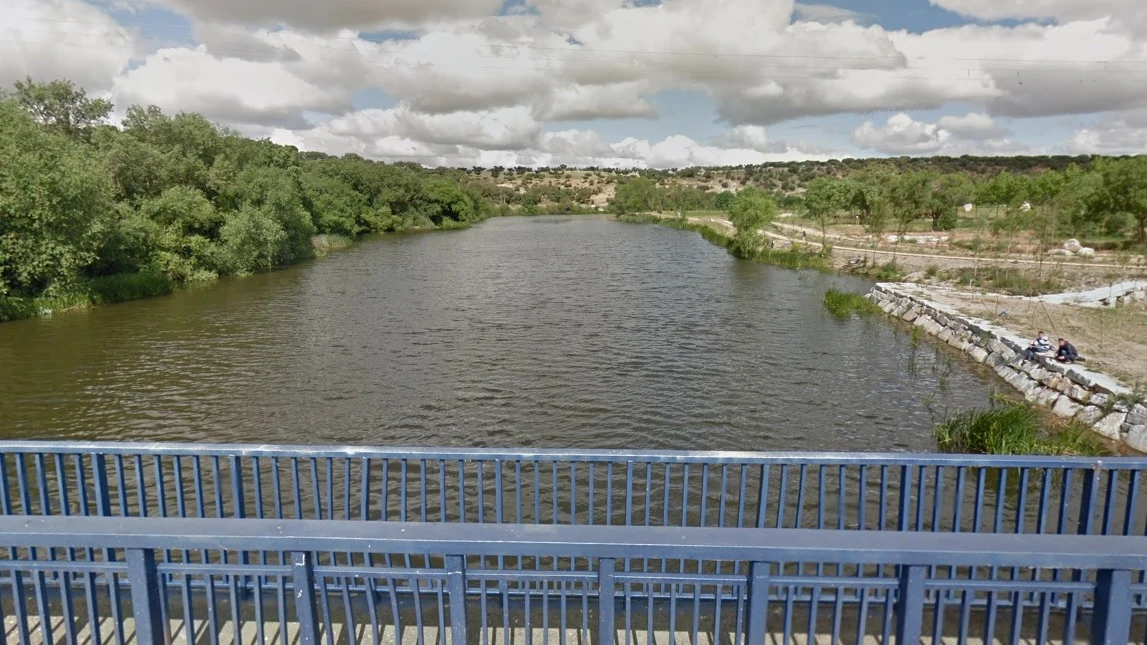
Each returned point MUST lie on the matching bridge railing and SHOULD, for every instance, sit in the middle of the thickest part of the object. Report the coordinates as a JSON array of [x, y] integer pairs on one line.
[[848, 491], [103, 580], [837, 491]]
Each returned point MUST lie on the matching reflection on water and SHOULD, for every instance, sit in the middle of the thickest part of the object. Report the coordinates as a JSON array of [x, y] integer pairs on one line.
[[548, 332]]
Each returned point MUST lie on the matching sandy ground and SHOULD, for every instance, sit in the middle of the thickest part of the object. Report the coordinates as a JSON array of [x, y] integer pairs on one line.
[[1114, 340]]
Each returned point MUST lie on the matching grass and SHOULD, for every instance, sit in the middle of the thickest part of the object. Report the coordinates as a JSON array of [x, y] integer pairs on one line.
[[1011, 428], [89, 293], [329, 243], [1007, 280], [844, 303]]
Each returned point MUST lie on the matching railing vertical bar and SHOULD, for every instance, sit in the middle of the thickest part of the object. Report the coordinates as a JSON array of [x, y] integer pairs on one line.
[[297, 487], [445, 509], [329, 489], [609, 493], [303, 578], [564, 624], [140, 486], [910, 605], [813, 609], [1109, 501], [605, 601], [537, 492], [628, 495], [883, 500], [648, 507], [456, 587], [327, 620], [717, 630], [1111, 620], [39, 590], [592, 494], [802, 482], [422, 494], [763, 496], [757, 611], [744, 485], [364, 489], [518, 492], [145, 597], [573, 495], [862, 615]]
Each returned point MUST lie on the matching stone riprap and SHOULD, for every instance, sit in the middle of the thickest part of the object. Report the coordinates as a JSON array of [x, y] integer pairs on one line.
[[1070, 391]]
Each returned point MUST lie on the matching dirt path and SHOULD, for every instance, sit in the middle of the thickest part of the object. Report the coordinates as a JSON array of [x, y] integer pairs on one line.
[[912, 261]]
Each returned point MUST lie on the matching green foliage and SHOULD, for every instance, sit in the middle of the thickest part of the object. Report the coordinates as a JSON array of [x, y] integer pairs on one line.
[[842, 304], [750, 211], [1007, 280], [54, 200], [92, 213], [1011, 428]]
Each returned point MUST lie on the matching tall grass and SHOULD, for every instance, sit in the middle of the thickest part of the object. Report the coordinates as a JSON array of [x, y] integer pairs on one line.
[[329, 243], [1011, 428], [89, 293], [844, 303]]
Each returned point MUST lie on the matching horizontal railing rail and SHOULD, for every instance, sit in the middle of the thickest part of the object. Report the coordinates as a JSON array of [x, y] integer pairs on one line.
[[65, 583]]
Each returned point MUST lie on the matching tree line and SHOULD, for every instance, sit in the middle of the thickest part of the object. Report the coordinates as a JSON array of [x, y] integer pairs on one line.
[[1107, 198], [92, 212]]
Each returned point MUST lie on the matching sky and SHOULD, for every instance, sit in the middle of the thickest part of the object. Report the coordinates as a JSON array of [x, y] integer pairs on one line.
[[622, 83]]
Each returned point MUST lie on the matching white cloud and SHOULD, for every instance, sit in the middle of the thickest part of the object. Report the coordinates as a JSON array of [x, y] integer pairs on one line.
[[1114, 134], [901, 134], [229, 90], [49, 39], [330, 15], [972, 125]]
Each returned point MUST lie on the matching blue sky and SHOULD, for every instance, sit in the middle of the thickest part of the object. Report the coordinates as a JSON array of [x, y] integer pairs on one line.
[[685, 82]]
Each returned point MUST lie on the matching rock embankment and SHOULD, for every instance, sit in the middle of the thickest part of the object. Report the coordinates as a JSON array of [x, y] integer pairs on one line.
[[1070, 391]]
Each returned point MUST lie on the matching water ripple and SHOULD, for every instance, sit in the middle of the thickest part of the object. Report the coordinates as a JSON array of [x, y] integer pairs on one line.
[[589, 333]]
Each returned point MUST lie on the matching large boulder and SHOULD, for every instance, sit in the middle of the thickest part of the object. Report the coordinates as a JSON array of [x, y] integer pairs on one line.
[[1111, 425], [1137, 438], [1072, 245], [1086, 252]]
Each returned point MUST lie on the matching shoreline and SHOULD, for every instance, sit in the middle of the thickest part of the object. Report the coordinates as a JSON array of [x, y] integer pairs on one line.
[[1071, 392]]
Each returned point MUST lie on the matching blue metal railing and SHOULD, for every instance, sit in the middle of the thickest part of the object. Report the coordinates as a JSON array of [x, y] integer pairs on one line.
[[900, 493], [295, 596]]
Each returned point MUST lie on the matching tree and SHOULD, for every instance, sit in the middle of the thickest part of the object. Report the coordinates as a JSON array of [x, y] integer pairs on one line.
[[55, 198], [822, 200], [61, 107], [1124, 189], [637, 195], [751, 210]]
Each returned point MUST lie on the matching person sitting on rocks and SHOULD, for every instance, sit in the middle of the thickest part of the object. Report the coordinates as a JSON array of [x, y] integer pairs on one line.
[[1041, 345], [1066, 353]]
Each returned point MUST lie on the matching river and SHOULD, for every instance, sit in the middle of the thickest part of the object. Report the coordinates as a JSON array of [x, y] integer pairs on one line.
[[519, 332]]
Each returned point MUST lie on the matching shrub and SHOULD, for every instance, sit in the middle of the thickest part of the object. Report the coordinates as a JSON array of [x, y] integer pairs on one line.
[[844, 303]]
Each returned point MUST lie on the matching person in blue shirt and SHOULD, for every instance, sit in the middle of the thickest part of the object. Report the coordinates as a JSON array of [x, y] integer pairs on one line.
[[1040, 345], [1066, 353]]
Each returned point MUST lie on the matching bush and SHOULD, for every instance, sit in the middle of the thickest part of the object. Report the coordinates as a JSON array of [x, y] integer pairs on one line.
[[1011, 428], [128, 286], [844, 303]]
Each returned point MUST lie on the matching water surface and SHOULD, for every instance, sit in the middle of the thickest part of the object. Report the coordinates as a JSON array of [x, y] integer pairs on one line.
[[545, 332]]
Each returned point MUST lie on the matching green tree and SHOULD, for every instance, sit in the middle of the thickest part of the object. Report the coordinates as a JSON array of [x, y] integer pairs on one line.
[[823, 200], [1124, 189], [751, 210], [637, 195], [55, 198], [61, 107]]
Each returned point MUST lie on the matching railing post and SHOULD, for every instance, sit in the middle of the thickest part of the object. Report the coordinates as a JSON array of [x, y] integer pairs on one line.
[[145, 597], [758, 603], [605, 601], [303, 566], [910, 605], [456, 588], [1111, 619]]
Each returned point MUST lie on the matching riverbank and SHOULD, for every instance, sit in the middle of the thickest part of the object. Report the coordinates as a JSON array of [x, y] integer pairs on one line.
[[151, 283], [1072, 392]]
